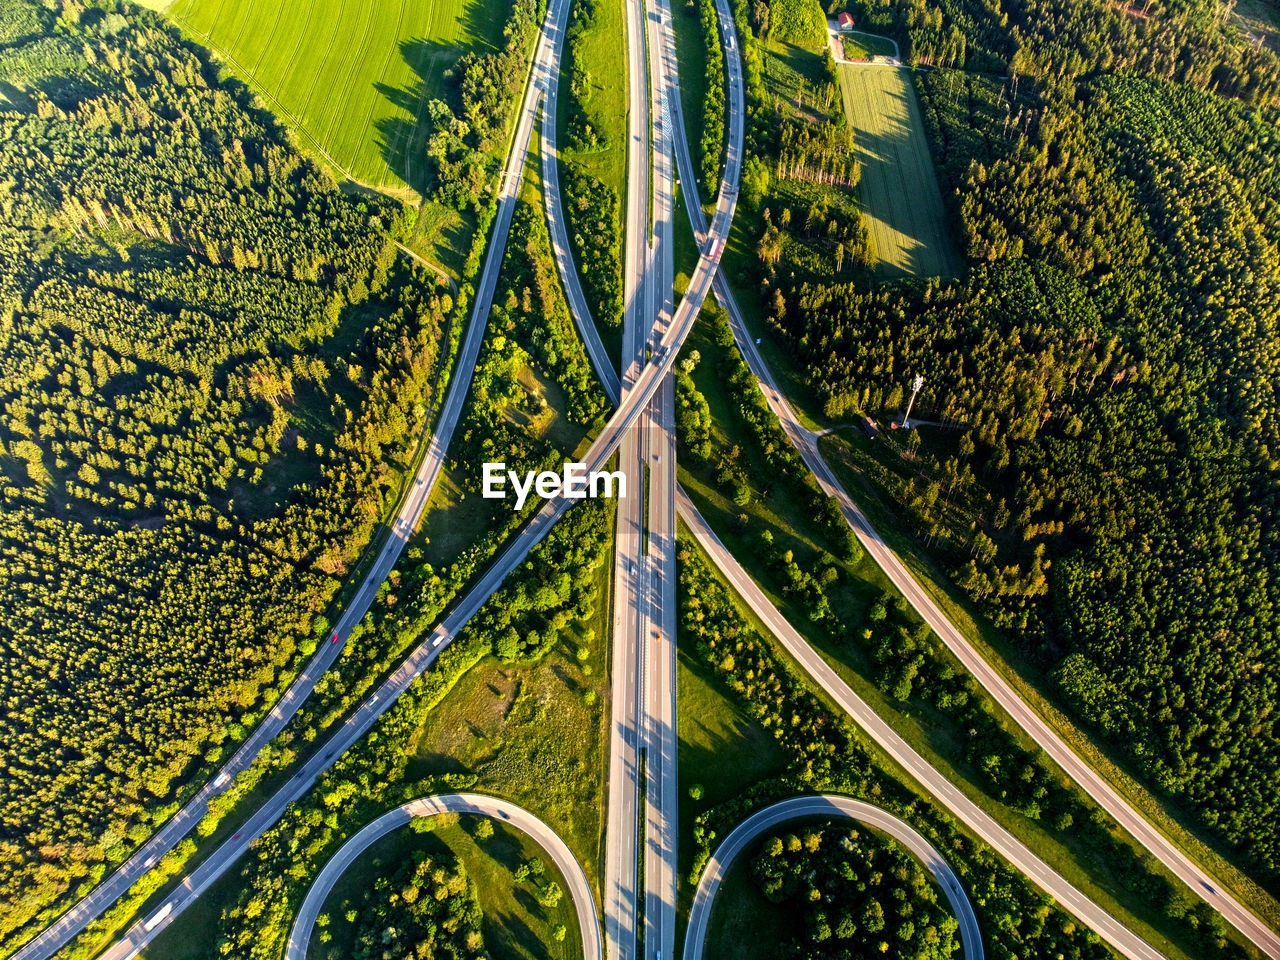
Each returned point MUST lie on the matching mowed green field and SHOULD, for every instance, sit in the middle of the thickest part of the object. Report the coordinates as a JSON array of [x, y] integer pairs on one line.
[[901, 200], [604, 49], [353, 77]]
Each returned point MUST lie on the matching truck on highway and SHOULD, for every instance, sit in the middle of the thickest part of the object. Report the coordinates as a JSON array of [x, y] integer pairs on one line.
[[159, 918]]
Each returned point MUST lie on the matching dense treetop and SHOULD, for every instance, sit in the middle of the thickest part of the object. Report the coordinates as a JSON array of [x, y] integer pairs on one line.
[[207, 356], [852, 894]]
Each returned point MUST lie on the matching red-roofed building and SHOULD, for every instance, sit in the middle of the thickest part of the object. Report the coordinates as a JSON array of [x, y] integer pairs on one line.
[[845, 20]]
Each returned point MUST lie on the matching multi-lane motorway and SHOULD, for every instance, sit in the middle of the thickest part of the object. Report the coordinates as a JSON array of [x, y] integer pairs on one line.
[[644, 739], [579, 889], [658, 642], [834, 806], [621, 867]]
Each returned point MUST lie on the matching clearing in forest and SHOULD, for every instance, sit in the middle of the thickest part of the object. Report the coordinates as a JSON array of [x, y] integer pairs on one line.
[[352, 77], [901, 199]]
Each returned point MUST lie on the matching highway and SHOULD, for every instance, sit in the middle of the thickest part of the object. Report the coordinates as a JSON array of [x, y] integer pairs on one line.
[[621, 870], [106, 893], [575, 880], [658, 643], [828, 805], [641, 426]]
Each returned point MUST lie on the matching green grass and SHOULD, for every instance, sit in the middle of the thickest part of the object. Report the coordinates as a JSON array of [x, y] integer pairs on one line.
[[721, 747], [604, 51], [691, 65], [685, 246], [901, 199], [744, 925], [515, 927], [454, 521], [352, 78], [863, 46], [527, 733]]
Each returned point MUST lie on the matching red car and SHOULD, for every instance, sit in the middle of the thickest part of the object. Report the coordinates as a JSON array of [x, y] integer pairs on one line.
[[335, 639]]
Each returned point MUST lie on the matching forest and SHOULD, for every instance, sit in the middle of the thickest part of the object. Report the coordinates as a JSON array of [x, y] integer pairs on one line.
[[812, 564], [426, 908], [1062, 41], [211, 361], [1103, 481], [852, 894]]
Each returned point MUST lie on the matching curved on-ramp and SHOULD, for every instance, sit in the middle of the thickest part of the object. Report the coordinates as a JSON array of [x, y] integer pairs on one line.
[[578, 888], [837, 806]]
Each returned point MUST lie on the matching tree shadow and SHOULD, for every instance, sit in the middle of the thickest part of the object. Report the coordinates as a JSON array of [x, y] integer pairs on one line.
[[402, 137], [900, 189]]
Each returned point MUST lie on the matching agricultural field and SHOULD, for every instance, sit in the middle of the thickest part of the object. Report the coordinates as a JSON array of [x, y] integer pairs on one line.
[[353, 79], [901, 200]]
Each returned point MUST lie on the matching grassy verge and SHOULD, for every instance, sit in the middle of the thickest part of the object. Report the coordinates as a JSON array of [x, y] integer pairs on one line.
[[602, 55], [722, 749], [685, 259], [743, 924], [592, 143], [691, 63]]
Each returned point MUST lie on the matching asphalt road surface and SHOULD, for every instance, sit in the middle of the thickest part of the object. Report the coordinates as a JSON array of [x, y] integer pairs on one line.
[[621, 866], [662, 800], [832, 805], [579, 890]]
